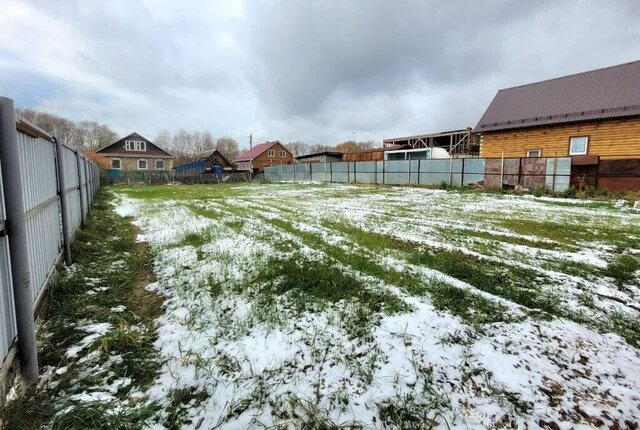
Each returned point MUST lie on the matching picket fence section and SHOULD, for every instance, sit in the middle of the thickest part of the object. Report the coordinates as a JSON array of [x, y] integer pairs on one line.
[[492, 173], [42, 199]]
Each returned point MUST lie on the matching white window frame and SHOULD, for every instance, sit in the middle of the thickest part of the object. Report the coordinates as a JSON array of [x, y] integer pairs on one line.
[[135, 145], [271, 153], [146, 164], [160, 161], [283, 154], [529, 151], [586, 145], [119, 163]]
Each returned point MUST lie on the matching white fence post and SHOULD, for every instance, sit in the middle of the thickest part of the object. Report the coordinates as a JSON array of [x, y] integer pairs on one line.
[[17, 232]]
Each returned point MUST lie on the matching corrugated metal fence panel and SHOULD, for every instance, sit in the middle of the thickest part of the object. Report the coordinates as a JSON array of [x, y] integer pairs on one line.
[[473, 170], [8, 331], [42, 217], [44, 241], [562, 173], [340, 171], [433, 172], [38, 170], [302, 171], [320, 172], [365, 172], [70, 165], [83, 185], [396, 172]]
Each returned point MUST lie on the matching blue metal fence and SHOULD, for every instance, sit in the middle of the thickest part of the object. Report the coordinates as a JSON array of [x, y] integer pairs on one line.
[[555, 172]]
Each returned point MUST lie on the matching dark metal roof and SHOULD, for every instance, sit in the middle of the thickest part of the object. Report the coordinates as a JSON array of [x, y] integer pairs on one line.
[[318, 154], [611, 92]]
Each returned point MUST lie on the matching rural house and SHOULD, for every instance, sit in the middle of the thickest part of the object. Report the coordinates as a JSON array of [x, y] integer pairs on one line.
[[594, 117], [262, 155], [211, 161], [134, 152]]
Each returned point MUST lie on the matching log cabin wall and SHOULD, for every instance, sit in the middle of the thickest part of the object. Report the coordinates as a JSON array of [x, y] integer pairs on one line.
[[609, 139]]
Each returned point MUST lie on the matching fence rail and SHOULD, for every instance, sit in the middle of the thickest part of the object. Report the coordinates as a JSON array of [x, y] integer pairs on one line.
[[490, 172], [33, 222]]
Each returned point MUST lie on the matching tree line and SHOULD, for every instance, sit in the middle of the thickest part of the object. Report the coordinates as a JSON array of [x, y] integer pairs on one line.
[[301, 148], [90, 136]]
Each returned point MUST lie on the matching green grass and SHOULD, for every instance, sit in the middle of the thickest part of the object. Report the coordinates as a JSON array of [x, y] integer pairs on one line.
[[622, 268], [570, 233], [306, 280], [102, 416], [514, 240], [106, 256], [522, 286], [444, 297]]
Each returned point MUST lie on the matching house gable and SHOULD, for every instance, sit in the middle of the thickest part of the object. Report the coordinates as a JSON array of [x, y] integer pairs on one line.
[[119, 148]]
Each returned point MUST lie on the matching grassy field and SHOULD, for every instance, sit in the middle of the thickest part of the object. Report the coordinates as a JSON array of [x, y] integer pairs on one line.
[[326, 306]]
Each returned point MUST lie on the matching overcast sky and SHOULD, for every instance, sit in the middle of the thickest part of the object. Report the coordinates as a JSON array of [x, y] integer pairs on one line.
[[317, 71]]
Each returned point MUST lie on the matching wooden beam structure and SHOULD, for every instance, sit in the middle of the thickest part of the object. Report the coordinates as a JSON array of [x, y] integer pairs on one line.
[[456, 142]]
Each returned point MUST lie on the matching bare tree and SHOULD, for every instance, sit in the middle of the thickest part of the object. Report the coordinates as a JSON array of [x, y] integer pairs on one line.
[[228, 146], [353, 146], [298, 148], [94, 136]]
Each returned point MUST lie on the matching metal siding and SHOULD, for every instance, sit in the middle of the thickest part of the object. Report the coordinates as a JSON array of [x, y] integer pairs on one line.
[[40, 186], [8, 330], [44, 241], [473, 170]]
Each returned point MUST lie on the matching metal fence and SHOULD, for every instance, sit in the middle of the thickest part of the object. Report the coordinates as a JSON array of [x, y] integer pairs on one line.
[[491, 173], [37, 221]]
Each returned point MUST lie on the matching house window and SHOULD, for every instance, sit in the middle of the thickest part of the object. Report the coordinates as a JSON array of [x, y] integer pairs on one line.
[[578, 145], [142, 164], [115, 163], [534, 153], [272, 153], [159, 164], [135, 145], [283, 154]]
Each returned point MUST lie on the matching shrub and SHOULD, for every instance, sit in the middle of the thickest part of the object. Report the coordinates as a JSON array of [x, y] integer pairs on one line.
[[569, 193]]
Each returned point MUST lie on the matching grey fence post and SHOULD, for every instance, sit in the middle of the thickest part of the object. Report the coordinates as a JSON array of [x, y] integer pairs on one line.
[[88, 174], [17, 233], [294, 171], [331, 172], [80, 164], [383, 163], [64, 208], [419, 169]]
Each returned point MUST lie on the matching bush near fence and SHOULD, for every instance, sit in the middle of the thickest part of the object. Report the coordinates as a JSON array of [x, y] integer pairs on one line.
[[553, 173], [51, 215]]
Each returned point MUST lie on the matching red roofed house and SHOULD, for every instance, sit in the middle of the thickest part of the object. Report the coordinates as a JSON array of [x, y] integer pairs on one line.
[[134, 152], [263, 155]]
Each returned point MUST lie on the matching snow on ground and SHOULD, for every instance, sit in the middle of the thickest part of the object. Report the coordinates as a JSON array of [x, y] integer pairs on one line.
[[261, 361]]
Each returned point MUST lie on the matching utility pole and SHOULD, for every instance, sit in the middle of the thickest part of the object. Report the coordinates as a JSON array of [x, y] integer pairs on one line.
[[251, 141]]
